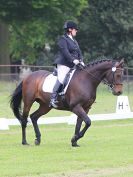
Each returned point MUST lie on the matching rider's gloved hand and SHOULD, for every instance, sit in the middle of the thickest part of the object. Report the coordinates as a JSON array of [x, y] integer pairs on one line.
[[76, 62], [82, 63]]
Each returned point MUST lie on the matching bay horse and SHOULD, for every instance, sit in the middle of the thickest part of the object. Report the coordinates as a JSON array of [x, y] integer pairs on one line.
[[80, 95]]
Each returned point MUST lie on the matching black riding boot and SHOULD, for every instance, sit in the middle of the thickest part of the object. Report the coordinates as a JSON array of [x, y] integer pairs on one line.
[[56, 90]]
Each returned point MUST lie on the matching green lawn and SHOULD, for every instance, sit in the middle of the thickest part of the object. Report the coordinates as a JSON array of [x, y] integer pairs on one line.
[[106, 151]]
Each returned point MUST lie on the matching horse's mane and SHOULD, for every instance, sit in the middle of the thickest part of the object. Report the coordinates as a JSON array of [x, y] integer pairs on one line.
[[97, 61]]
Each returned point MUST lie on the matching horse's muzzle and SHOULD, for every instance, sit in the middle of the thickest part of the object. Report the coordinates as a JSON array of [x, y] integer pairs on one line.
[[117, 93], [117, 90]]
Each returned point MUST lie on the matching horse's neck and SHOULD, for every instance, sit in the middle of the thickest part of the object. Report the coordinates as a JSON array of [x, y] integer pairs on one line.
[[98, 70]]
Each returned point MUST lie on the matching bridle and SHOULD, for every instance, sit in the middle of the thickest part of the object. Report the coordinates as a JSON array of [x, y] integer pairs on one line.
[[105, 81], [113, 83]]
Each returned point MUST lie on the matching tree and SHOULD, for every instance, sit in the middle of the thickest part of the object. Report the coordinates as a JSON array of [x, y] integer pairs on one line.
[[108, 27], [33, 22], [4, 46]]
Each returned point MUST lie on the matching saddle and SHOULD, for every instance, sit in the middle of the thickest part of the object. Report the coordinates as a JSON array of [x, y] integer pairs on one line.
[[50, 81]]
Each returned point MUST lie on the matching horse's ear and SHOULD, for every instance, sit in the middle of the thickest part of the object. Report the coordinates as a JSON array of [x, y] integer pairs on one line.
[[120, 63]]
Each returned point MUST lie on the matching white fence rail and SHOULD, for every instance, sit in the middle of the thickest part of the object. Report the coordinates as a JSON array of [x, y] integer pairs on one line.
[[71, 120]]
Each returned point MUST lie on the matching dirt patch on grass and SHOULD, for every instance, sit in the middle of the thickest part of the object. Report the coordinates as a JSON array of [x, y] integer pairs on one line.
[[92, 173], [98, 172]]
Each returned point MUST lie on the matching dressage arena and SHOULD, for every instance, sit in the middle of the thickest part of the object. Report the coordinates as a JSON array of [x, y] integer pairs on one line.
[[105, 150]]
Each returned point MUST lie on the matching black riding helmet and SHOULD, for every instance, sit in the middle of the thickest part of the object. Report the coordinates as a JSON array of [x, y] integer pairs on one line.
[[70, 24]]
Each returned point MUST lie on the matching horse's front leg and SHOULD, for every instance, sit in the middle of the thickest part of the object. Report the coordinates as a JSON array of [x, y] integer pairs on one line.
[[77, 130], [80, 112]]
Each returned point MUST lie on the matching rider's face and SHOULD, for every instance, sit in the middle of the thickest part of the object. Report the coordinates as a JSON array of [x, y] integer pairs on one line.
[[73, 32]]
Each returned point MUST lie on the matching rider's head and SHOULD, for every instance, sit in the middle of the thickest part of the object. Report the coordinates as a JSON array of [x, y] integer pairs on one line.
[[70, 27]]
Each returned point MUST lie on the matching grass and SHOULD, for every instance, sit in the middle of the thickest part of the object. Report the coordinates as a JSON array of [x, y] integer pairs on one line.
[[106, 150], [105, 102]]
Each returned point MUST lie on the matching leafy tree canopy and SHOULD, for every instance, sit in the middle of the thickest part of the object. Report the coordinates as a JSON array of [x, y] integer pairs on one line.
[[23, 10], [108, 26], [34, 23]]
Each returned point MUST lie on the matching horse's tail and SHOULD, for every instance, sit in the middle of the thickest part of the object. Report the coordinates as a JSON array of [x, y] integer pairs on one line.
[[15, 102]]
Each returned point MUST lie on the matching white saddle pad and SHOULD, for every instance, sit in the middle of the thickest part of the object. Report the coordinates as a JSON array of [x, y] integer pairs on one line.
[[50, 81]]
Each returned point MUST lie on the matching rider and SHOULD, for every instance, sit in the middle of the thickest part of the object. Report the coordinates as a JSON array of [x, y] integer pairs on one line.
[[69, 55]]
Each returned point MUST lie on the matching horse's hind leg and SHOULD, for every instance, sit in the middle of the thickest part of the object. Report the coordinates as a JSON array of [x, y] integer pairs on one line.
[[24, 123], [43, 109]]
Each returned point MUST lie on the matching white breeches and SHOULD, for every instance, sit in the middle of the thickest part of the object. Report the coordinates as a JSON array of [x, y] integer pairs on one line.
[[62, 71]]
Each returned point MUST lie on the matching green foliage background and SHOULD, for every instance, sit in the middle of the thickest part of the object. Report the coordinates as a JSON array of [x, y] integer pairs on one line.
[[106, 27]]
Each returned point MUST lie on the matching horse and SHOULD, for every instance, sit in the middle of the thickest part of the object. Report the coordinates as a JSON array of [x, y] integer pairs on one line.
[[79, 97]]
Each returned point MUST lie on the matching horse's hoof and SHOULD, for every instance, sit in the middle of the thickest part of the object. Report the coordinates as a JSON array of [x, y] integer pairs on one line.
[[74, 144], [74, 141], [25, 143], [37, 142]]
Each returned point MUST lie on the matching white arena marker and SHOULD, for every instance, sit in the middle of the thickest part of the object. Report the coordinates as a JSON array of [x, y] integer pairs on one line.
[[122, 105], [4, 124]]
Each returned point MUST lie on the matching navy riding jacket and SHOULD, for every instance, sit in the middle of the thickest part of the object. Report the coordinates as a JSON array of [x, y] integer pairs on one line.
[[68, 51]]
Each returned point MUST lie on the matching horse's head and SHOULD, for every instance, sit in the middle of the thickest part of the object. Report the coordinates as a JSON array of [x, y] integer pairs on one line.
[[114, 77]]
